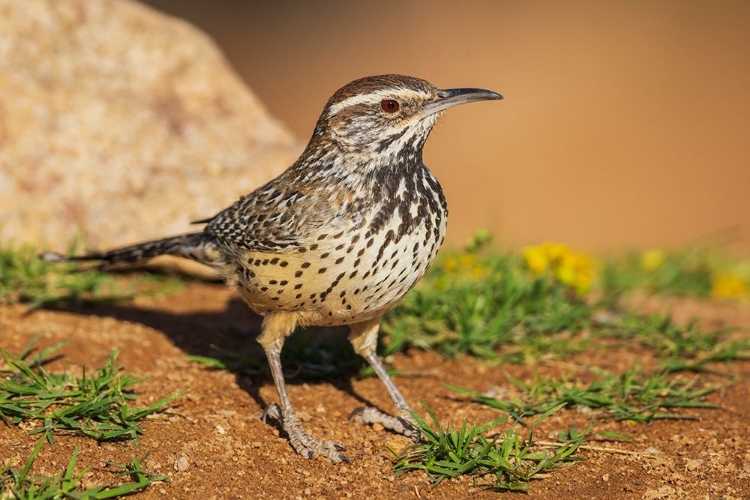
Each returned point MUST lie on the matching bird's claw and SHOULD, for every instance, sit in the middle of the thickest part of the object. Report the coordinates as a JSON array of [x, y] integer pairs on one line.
[[403, 424], [302, 442]]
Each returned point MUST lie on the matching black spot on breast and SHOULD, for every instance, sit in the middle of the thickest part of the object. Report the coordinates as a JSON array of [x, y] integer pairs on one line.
[[297, 274], [305, 265]]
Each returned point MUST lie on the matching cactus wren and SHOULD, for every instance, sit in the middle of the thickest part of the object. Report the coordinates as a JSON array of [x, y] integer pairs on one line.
[[338, 238]]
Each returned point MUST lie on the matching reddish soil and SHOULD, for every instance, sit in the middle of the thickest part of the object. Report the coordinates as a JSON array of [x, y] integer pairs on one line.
[[213, 445]]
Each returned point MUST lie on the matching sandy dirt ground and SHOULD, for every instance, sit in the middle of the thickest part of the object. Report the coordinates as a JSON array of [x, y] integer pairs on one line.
[[212, 443]]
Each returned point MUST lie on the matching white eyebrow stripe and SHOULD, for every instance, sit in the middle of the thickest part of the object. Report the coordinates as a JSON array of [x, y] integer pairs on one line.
[[370, 98]]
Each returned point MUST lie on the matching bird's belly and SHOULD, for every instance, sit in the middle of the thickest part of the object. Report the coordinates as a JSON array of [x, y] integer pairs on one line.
[[341, 278]]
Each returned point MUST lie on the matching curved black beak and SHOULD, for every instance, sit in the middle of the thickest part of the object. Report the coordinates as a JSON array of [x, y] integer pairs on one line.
[[453, 97]]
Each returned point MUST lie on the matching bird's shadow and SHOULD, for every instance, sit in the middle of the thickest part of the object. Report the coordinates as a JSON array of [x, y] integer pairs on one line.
[[229, 336]]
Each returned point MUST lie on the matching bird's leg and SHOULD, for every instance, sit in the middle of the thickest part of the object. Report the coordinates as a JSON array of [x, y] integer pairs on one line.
[[364, 338], [274, 330]]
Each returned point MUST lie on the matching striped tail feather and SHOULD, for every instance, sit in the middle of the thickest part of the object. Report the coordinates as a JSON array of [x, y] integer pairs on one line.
[[195, 246]]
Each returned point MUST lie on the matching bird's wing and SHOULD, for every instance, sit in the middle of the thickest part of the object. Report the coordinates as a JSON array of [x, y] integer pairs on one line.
[[273, 218]]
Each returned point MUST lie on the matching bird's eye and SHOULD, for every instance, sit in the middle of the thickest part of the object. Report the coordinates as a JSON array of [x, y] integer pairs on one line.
[[389, 105]]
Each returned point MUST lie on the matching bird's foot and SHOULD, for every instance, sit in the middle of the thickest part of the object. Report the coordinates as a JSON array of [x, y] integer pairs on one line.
[[301, 441], [402, 424]]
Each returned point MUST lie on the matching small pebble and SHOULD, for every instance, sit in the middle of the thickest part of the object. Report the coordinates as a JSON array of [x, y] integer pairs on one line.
[[181, 464]]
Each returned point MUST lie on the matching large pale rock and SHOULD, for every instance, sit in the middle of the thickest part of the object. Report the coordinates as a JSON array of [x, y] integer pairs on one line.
[[121, 123]]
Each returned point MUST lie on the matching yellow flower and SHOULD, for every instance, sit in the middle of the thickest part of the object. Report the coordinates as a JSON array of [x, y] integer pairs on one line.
[[480, 272], [466, 260], [576, 271], [728, 286], [451, 264], [536, 259], [556, 252], [566, 269], [651, 260]]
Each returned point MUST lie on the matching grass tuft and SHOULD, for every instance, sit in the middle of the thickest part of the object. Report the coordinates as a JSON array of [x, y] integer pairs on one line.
[[516, 308], [477, 303], [20, 484], [681, 348], [632, 396], [95, 404], [24, 277], [507, 461]]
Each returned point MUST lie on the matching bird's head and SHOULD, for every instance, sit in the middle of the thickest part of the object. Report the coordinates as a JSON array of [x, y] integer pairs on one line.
[[386, 119]]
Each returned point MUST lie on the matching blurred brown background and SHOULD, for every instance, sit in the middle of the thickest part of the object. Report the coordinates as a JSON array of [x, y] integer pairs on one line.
[[624, 124]]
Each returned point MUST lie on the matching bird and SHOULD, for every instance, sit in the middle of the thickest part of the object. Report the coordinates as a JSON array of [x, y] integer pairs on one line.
[[336, 239]]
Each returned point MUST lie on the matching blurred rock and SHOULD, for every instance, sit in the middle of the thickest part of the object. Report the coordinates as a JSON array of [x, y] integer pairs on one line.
[[121, 123]]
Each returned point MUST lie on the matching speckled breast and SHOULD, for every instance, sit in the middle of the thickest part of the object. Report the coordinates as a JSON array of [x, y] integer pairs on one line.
[[345, 275]]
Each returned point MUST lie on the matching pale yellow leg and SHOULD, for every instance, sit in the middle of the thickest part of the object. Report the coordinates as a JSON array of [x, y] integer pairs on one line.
[[276, 327], [364, 339]]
